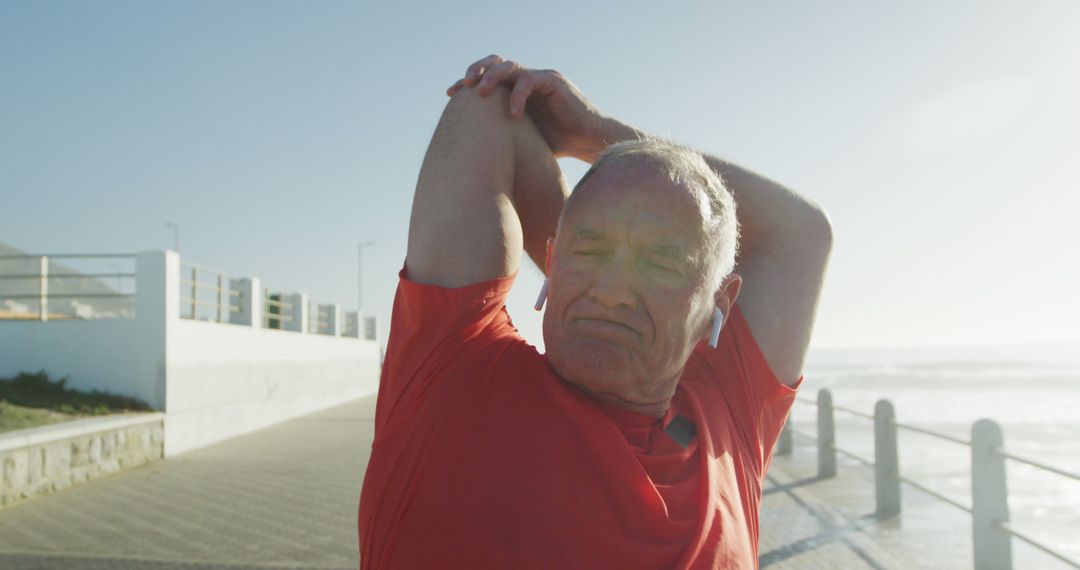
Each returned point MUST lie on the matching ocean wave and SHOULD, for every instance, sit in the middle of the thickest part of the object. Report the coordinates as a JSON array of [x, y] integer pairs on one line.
[[952, 372]]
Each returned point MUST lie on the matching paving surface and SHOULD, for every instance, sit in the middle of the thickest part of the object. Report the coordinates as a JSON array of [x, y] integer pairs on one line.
[[809, 522], [286, 497]]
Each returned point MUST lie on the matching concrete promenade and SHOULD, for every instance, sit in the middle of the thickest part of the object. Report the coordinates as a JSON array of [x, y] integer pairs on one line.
[[282, 497], [813, 523], [286, 497]]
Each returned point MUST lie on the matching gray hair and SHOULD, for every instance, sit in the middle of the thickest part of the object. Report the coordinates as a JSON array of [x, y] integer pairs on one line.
[[688, 168]]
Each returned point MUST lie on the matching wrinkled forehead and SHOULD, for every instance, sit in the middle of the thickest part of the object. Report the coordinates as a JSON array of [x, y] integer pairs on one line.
[[639, 201]]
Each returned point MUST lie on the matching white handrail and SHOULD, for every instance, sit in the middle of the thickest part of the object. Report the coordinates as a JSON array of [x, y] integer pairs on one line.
[[994, 482]]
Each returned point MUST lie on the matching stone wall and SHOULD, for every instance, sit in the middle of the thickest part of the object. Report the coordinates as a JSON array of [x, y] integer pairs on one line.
[[50, 458]]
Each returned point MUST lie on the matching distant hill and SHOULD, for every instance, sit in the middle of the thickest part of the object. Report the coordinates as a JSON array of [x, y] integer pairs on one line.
[[61, 307], [6, 249]]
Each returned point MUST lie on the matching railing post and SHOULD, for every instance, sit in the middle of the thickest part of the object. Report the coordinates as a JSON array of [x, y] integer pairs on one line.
[[274, 314], [989, 498], [784, 445], [157, 311], [194, 291], [43, 290], [250, 302], [886, 460], [369, 327], [826, 429], [298, 312], [352, 324], [220, 300], [334, 328]]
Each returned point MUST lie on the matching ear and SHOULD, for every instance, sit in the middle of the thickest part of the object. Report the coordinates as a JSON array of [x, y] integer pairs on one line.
[[547, 257], [723, 299]]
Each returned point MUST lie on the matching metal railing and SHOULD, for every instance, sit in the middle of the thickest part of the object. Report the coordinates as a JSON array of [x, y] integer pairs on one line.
[[991, 529], [276, 312], [29, 292], [44, 293], [196, 279], [323, 319]]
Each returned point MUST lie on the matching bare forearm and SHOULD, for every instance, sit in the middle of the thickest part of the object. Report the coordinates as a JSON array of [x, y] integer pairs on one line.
[[772, 218]]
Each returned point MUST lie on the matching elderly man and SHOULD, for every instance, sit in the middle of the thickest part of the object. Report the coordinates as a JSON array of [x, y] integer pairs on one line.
[[641, 437]]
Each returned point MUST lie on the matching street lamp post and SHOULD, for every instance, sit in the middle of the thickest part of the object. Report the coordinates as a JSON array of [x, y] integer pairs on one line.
[[360, 278]]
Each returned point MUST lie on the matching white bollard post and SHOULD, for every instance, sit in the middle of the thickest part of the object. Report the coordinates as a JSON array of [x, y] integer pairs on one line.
[[886, 460], [826, 428], [989, 498]]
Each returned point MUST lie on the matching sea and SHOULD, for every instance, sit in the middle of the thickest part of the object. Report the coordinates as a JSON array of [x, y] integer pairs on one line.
[[1032, 392]]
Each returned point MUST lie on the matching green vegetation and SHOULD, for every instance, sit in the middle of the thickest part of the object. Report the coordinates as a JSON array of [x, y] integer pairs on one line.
[[14, 417], [32, 399]]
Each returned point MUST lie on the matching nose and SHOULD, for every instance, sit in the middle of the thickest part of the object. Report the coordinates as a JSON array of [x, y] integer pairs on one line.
[[613, 287]]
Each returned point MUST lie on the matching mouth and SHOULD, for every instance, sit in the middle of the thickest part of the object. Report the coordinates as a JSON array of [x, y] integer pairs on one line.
[[606, 327]]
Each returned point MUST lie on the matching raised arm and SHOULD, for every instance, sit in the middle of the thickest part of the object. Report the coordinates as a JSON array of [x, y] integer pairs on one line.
[[784, 250], [489, 187], [785, 244]]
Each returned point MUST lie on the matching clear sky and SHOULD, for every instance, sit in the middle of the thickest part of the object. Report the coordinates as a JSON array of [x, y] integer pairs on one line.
[[942, 137]]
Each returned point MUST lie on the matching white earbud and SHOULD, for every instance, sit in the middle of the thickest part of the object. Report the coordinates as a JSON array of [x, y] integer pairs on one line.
[[717, 323], [543, 296]]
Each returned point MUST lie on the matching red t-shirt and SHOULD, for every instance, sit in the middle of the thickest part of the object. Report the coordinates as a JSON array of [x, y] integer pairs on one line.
[[484, 458]]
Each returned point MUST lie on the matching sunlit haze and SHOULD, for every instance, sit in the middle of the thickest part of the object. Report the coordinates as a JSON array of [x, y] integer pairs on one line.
[[942, 138]]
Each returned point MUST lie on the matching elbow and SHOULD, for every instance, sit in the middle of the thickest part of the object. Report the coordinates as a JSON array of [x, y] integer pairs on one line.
[[815, 233], [825, 229]]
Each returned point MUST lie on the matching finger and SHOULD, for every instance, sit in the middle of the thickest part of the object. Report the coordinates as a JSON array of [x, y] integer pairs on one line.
[[455, 87], [499, 73], [523, 87], [546, 80], [476, 70]]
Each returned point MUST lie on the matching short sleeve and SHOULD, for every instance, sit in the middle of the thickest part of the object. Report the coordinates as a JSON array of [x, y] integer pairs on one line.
[[431, 328], [758, 401]]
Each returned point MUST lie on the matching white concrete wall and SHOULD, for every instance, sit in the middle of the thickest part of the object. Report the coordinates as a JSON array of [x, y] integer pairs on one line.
[[212, 380], [109, 355], [123, 356], [226, 380]]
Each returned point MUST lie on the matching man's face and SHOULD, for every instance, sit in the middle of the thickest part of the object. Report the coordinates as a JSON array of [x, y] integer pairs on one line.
[[630, 292]]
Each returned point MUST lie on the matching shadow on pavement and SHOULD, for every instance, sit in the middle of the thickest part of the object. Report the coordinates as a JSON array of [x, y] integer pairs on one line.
[[831, 534], [777, 487], [49, 562]]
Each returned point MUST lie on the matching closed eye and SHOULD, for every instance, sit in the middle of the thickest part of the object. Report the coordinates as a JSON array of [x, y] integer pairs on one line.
[[661, 268], [664, 268]]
